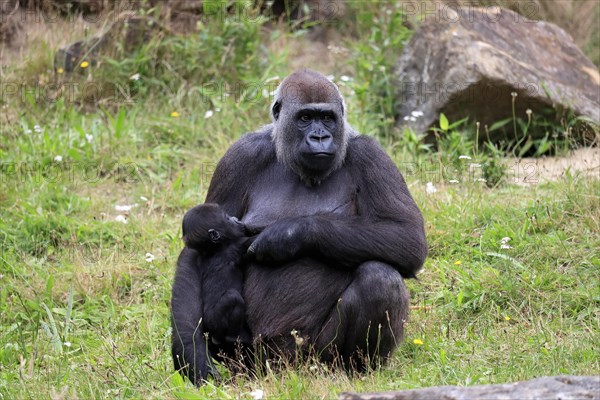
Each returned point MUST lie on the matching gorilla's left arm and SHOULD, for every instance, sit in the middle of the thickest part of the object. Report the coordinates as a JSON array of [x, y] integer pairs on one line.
[[388, 228]]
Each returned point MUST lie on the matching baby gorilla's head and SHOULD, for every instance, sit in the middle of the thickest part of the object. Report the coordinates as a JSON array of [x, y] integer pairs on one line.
[[207, 227]]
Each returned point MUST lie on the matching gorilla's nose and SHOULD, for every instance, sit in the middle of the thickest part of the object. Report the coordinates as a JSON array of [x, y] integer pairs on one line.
[[320, 141]]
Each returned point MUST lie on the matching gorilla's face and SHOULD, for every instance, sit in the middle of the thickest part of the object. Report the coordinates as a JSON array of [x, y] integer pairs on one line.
[[316, 130], [207, 226], [309, 127]]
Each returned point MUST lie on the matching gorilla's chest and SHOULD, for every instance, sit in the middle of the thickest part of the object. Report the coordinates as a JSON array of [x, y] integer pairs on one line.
[[279, 195]]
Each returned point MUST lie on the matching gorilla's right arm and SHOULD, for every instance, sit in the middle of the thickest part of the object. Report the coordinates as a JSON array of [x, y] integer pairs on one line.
[[189, 348], [233, 177]]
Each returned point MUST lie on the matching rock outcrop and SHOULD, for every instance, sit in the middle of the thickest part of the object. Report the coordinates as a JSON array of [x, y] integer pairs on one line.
[[471, 62], [547, 388]]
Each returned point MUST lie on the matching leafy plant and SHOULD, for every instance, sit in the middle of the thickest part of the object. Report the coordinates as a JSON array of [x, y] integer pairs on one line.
[[381, 33]]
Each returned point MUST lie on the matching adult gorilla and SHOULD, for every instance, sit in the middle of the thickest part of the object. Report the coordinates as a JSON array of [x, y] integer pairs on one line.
[[340, 232]]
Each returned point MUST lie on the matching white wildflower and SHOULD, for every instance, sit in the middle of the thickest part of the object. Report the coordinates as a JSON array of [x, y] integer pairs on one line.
[[58, 158], [27, 131], [135, 77], [265, 93], [89, 137], [412, 119], [417, 114], [452, 181], [143, 198], [208, 114], [429, 188], [126, 207], [67, 344], [37, 129], [257, 394], [345, 78], [406, 118], [464, 157], [481, 180], [121, 218], [504, 243], [149, 257]]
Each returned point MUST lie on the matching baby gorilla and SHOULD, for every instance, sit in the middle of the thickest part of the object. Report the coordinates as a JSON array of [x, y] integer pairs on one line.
[[221, 242]]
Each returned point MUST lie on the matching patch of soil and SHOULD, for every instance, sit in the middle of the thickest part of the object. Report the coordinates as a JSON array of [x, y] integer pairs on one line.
[[584, 162]]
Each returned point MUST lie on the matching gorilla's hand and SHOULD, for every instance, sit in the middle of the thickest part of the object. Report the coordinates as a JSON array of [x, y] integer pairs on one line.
[[282, 241]]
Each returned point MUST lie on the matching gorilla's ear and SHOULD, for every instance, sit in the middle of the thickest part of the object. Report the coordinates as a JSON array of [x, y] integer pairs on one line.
[[214, 235], [276, 109]]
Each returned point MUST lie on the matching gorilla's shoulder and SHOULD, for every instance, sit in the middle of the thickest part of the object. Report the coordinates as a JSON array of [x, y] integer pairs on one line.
[[361, 147], [257, 146]]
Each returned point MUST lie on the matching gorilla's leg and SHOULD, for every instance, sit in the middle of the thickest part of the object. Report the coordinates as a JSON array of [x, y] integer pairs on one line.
[[226, 319], [347, 316], [367, 323]]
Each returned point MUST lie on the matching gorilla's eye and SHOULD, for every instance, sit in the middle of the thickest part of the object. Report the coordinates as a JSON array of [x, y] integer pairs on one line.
[[304, 118], [327, 118]]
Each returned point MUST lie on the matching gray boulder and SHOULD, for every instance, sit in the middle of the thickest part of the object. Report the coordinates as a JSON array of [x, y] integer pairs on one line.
[[547, 388], [469, 62]]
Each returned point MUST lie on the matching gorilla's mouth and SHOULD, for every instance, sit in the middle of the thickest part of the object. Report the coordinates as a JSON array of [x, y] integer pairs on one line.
[[318, 156], [321, 154], [317, 162]]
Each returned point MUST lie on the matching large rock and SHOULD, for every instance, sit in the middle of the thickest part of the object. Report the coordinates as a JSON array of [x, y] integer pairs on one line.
[[127, 33], [468, 62], [547, 388]]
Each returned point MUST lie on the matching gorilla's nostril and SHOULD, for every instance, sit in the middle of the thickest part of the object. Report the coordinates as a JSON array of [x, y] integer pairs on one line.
[[320, 138]]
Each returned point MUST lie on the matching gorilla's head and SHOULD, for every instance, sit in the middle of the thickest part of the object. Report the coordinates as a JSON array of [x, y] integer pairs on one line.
[[207, 227], [309, 125]]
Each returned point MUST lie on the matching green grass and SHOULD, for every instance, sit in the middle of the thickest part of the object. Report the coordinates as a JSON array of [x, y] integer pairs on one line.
[[83, 314]]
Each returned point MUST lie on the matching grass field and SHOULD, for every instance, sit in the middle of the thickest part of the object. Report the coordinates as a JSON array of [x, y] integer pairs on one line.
[[92, 196]]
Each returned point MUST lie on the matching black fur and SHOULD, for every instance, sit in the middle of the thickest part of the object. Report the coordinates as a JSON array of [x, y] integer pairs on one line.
[[221, 243], [218, 243], [341, 230]]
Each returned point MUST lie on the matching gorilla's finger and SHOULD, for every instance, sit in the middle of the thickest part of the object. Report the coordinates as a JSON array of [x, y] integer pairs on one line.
[[253, 230]]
